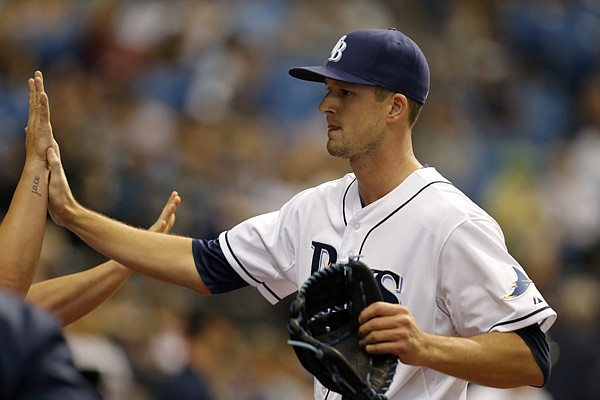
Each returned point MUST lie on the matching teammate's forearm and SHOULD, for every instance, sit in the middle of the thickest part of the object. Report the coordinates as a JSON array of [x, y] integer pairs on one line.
[[72, 296], [22, 230], [165, 257], [494, 359]]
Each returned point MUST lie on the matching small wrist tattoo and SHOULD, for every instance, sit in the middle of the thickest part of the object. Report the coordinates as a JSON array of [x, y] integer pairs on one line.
[[36, 184]]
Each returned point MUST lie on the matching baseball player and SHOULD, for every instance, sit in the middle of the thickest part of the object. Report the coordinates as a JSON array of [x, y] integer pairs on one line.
[[459, 308]]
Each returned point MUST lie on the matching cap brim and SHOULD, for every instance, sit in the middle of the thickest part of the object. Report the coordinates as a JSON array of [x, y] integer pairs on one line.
[[319, 73]]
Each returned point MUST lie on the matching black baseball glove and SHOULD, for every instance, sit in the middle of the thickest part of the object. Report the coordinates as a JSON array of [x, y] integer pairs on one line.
[[323, 331]]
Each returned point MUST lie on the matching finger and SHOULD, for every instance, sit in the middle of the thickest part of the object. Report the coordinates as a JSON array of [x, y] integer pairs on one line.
[[31, 85], [39, 78], [56, 147], [376, 309], [371, 339], [53, 160], [168, 213], [380, 348], [166, 219], [39, 89], [160, 226], [171, 206], [38, 74], [55, 164], [166, 210], [45, 108], [170, 222], [175, 200], [174, 197], [382, 324], [39, 83], [34, 103]]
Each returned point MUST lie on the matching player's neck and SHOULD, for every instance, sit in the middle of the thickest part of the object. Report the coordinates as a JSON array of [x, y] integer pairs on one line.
[[375, 180]]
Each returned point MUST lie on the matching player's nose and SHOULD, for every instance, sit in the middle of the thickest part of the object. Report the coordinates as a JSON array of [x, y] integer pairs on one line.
[[326, 104]]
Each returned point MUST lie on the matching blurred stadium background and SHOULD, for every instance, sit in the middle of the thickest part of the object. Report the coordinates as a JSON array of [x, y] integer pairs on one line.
[[193, 95]]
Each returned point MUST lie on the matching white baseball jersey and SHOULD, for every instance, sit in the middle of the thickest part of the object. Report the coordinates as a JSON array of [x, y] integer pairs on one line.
[[431, 248]]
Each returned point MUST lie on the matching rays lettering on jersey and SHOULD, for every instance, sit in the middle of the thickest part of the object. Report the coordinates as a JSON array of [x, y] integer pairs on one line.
[[323, 256], [389, 282], [391, 285]]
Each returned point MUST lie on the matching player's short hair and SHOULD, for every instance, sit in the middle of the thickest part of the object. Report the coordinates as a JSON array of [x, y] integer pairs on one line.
[[414, 107]]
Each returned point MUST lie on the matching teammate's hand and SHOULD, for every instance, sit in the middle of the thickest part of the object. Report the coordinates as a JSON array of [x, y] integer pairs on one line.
[[391, 328], [166, 219], [60, 199], [39, 130]]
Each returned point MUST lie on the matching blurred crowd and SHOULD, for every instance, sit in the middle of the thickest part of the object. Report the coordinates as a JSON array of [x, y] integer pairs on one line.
[[150, 96]]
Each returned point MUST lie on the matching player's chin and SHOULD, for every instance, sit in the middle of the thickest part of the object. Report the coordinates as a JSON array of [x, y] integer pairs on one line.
[[336, 150]]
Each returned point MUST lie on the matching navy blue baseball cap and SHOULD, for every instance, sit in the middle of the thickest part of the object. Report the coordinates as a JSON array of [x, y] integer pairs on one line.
[[375, 57]]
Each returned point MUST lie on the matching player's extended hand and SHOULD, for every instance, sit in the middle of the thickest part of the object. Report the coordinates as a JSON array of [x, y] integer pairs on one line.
[[39, 130], [391, 328], [166, 219], [60, 199]]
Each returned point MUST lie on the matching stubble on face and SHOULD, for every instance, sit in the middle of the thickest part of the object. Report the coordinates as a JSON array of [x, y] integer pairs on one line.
[[355, 140]]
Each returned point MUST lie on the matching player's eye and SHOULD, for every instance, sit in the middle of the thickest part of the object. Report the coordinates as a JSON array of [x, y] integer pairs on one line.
[[340, 92], [337, 92]]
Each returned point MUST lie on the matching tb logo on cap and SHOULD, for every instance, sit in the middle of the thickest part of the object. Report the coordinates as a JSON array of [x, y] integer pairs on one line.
[[336, 53]]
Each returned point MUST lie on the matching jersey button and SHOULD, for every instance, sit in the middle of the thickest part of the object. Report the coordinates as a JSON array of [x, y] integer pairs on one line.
[[356, 226]]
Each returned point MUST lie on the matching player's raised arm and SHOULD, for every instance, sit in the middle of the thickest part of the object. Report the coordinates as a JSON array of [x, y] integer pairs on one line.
[[22, 230], [72, 296], [165, 257]]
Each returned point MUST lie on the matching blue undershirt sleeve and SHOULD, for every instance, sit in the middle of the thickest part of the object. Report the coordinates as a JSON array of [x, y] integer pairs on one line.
[[215, 271], [536, 340]]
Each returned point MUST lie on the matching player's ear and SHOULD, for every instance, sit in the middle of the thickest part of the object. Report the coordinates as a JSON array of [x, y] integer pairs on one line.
[[398, 108]]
